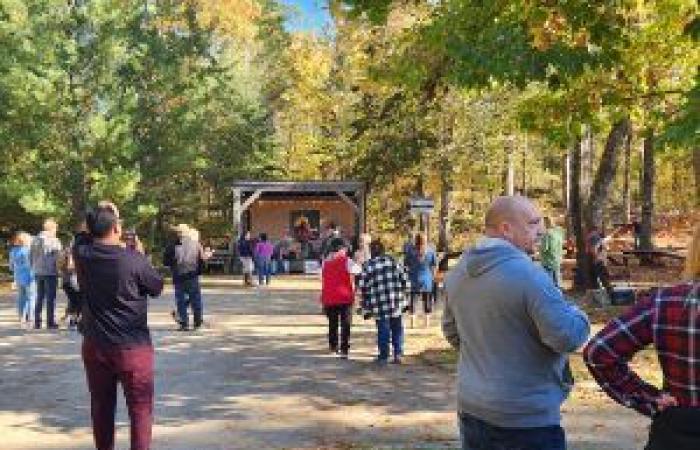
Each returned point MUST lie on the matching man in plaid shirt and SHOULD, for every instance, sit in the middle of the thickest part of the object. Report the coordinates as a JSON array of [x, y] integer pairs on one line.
[[668, 318], [383, 284]]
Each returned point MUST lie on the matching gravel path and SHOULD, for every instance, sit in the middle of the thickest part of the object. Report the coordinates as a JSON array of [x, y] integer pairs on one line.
[[257, 378]]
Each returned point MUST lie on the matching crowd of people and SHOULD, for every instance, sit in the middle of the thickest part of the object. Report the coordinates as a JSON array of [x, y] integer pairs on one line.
[[505, 314], [41, 264], [34, 263], [262, 256]]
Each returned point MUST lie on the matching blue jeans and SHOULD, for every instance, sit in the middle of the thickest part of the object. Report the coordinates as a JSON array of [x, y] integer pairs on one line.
[[45, 289], [390, 329], [189, 292], [264, 269], [26, 301], [479, 435]]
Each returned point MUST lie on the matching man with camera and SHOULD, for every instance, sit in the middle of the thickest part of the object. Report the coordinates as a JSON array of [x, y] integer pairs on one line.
[[115, 281]]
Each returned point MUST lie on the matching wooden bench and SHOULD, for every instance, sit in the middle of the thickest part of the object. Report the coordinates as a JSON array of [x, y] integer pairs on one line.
[[656, 256]]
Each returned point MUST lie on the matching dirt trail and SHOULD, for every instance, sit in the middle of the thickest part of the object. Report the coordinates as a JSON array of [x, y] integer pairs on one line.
[[258, 378]]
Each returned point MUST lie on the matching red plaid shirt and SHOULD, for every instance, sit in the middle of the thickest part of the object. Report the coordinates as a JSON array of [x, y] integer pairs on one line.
[[669, 318]]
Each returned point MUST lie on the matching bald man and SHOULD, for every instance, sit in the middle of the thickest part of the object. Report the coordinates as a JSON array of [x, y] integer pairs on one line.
[[513, 330]]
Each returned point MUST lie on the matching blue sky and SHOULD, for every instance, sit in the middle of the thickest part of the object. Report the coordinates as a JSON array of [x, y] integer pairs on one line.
[[311, 14]]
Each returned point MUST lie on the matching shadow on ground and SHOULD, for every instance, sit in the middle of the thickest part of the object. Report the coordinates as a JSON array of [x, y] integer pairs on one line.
[[258, 377]]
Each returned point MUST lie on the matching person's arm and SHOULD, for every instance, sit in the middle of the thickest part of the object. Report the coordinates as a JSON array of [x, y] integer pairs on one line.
[[433, 265], [406, 257], [201, 259], [562, 326], [608, 353], [353, 267], [12, 262], [150, 281], [80, 240], [169, 256], [365, 300], [33, 253], [449, 326]]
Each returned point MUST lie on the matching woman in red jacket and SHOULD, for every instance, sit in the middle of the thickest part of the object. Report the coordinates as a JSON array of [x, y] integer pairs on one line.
[[338, 295]]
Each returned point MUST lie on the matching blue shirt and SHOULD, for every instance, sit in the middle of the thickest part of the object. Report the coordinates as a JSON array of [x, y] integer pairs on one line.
[[420, 269], [20, 266]]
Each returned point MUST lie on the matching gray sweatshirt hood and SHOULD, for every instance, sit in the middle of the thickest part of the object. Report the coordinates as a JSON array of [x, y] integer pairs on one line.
[[488, 253]]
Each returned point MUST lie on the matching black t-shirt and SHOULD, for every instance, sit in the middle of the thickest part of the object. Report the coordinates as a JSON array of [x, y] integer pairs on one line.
[[116, 282]]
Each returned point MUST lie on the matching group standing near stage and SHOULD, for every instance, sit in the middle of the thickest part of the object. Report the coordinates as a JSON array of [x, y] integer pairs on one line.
[[504, 314]]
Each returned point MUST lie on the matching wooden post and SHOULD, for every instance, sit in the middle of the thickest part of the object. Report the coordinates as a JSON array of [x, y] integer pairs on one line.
[[626, 198], [361, 198], [510, 170], [236, 219], [566, 191]]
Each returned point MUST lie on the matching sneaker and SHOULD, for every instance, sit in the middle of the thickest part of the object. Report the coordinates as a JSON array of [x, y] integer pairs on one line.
[[381, 362], [397, 360], [343, 355], [183, 328], [332, 350]]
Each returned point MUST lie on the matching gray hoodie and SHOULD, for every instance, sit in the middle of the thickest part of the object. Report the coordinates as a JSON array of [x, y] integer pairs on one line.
[[43, 254], [513, 329]]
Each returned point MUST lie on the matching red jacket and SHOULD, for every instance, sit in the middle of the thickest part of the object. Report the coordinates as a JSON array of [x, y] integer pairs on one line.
[[336, 282]]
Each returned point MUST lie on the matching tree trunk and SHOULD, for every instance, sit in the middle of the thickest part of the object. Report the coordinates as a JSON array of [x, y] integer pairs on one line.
[[600, 190], [587, 157], [696, 171], [523, 183], [77, 168], [509, 173], [423, 219], [445, 194], [566, 189], [582, 281], [647, 188], [626, 198], [566, 179]]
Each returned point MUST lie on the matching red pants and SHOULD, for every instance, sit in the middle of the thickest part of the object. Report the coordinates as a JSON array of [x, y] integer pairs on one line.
[[133, 368]]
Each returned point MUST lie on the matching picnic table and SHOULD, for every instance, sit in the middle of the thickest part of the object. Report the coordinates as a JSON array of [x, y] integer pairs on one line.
[[654, 255], [621, 260]]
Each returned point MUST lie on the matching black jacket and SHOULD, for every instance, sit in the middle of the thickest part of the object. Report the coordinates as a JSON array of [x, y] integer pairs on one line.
[[115, 282]]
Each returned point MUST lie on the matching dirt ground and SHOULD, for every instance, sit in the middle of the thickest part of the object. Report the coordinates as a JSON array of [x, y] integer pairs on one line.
[[259, 378]]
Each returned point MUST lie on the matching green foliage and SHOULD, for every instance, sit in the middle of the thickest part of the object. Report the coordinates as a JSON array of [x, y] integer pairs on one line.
[[144, 103], [160, 105]]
